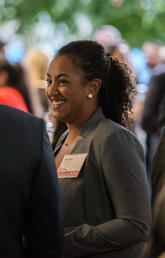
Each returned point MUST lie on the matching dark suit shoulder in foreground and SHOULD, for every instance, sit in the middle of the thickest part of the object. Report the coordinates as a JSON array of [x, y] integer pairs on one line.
[[30, 205]]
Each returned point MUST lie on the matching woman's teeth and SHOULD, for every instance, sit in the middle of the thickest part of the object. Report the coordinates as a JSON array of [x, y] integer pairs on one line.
[[58, 102]]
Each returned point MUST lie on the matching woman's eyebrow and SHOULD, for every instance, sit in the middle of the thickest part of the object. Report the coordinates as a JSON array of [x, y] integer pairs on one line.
[[59, 75], [62, 74]]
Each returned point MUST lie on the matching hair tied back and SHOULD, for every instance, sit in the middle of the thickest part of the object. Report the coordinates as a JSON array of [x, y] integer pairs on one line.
[[108, 61]]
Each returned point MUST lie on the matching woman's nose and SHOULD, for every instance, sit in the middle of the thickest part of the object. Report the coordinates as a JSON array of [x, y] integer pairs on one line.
[[52, 90]]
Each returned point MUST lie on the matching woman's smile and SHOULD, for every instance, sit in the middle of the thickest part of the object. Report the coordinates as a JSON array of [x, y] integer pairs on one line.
[[57, 103]]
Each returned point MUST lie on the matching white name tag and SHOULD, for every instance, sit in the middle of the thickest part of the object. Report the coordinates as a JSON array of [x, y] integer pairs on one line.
[[71, 165]]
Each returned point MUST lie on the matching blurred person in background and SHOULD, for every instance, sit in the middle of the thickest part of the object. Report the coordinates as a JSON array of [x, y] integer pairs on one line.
[[104, 173], [2, 50], [111, 39], [107, 36], [14, 90], [161, 115], [120, 51], [162, 56], [151, 51], [158, 200], [36, 64], [153, 99]]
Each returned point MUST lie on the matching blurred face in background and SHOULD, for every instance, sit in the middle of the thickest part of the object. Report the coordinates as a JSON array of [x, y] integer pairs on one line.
[[2, 51], [151, 52], [120, 51], [3, 75]]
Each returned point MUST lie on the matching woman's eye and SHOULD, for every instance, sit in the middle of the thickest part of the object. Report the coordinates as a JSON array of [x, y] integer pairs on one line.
[[48, 82], [62, 81]]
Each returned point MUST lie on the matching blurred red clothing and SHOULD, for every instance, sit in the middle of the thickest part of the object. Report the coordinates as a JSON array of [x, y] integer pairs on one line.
[[13, 98]]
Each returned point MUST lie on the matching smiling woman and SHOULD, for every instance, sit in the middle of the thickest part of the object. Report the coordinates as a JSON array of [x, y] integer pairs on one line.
[[68, 91], [100, 163]]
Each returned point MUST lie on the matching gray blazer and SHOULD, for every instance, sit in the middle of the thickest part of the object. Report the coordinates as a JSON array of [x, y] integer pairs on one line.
[[107, 207]]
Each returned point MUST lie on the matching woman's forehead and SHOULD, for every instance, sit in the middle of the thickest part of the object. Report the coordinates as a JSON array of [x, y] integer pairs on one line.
[[62, 64]]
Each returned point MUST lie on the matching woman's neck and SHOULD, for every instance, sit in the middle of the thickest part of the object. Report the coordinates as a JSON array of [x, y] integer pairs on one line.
[[73, 132], [75, 126]]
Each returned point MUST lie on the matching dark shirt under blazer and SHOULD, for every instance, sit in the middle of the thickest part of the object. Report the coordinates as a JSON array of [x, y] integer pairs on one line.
[[107, 207]]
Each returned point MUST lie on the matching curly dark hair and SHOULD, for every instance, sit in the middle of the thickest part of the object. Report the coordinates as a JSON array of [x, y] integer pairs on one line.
[[116, 92]]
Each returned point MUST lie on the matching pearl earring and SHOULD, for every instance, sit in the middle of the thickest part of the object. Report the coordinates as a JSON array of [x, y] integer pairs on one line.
[[90, 96]]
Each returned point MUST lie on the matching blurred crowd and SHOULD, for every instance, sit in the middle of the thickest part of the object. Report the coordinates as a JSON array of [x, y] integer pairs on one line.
[[26, 81], [23, 85]]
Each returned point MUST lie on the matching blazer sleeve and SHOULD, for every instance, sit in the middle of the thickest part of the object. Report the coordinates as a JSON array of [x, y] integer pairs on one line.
[[44, 233], [122, 164]]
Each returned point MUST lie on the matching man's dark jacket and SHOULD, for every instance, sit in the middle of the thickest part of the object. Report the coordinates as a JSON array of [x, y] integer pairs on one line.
[[31, 223], [158, 198]]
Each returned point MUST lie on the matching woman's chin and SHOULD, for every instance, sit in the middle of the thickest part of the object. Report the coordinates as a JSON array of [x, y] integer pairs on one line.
[[58, 115]]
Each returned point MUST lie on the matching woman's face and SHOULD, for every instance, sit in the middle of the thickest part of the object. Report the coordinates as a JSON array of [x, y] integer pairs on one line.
[[67, 89]]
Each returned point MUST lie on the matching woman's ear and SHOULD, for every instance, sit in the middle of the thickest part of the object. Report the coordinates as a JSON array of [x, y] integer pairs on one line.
[[94, 86]]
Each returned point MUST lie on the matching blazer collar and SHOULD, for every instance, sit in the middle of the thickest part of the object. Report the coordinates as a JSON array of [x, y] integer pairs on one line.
[[87, 129], [91, 123]]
